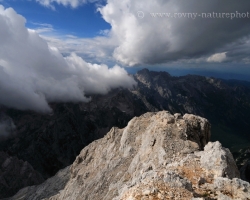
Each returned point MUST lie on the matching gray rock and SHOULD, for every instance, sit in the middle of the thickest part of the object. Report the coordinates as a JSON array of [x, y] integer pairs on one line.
[[157, 156], [219, 160], [237, 188]]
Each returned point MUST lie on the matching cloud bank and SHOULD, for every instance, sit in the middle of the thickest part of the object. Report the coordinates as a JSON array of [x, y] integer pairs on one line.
[[32, 74], [182, 30], [146, 32]]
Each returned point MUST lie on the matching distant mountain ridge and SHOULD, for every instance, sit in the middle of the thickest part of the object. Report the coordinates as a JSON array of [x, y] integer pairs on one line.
[[234, 82], [51, 142]]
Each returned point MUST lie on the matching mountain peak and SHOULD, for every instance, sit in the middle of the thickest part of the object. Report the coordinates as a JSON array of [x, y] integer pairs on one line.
[[157, 156], [151, 78], [143, 71], [146, 71]]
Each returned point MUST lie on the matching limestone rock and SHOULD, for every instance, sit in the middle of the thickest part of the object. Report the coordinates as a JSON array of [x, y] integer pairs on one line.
[[157, 156], [219, 160], [198, 129], [230, 189]]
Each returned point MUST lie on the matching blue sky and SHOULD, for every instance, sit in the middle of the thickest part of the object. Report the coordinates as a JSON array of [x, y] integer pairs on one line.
[[83, 21]]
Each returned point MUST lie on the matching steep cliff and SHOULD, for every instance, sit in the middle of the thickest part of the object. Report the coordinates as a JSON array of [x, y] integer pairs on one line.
[[157, 156]]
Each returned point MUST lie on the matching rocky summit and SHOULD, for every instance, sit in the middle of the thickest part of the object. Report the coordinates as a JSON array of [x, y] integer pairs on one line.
[[51, 142], [156, 156]]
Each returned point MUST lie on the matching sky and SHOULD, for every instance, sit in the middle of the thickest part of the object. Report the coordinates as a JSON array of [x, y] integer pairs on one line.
[[60, 50]]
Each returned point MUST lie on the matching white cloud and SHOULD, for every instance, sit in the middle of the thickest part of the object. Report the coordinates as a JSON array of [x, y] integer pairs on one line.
[[33, 73], [143, 39], [72, 3], [134, 40], [218, 57], [43, 28], [98, 49]]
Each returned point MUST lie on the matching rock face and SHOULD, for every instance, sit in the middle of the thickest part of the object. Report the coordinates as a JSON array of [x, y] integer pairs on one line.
[[52, 142], [16, 174], [157, 156]]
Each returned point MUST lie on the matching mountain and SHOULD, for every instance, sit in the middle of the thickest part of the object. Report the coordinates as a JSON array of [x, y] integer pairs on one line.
[[16, 174], [52, 142], [156, 156], [226, 106], [235, 83]]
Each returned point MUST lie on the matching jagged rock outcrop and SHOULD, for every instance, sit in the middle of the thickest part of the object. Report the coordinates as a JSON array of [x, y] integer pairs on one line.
[[16, 174], [157, 156], [52, 142]]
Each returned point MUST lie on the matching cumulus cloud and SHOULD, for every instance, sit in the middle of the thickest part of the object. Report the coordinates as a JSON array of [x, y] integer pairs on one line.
[[193, 29], [143, 33], [33, 73], [218, 57]]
